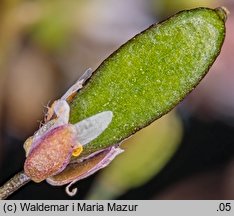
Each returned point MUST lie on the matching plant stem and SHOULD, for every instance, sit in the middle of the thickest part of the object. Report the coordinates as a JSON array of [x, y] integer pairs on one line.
[[16, 182]]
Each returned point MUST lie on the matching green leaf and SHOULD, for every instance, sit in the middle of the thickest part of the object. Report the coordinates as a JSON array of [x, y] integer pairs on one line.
[[150, 74]]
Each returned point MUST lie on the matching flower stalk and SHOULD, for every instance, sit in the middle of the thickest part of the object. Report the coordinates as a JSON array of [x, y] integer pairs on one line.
[[12, 185]]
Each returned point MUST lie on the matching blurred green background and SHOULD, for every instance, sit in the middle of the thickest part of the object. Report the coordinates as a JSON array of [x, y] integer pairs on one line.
[[46, 45]]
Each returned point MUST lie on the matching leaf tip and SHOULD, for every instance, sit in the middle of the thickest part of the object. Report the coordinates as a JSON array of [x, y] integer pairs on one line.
[[223, 13]]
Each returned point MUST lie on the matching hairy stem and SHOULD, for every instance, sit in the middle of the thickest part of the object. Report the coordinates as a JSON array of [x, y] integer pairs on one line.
[[16, 182]]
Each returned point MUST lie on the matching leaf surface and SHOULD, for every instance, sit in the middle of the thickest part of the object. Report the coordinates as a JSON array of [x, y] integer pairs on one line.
[[150, 74]]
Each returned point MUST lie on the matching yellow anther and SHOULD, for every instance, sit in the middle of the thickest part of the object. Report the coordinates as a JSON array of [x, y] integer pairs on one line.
[[77, 151]]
